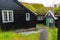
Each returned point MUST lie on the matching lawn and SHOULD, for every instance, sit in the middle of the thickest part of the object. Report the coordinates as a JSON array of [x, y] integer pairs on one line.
[[15, 36], [52, 33]]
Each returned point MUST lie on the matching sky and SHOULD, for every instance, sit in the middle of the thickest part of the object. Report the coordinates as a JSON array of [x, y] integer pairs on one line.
[[46, 3]]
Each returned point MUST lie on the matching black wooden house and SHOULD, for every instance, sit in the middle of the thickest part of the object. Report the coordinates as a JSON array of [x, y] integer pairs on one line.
[[40, 19], [14, 15], [50, 18]]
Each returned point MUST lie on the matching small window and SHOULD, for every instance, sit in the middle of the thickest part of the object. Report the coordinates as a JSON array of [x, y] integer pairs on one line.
[[27, 16], [51, 20], [40, 18], [7, 16], [48, 13]]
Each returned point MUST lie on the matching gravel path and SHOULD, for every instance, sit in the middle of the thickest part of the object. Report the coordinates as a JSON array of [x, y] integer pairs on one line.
[[44, 34], [31, 32]]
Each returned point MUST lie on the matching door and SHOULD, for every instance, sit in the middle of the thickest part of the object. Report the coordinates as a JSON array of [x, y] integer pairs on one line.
[[47, 21]]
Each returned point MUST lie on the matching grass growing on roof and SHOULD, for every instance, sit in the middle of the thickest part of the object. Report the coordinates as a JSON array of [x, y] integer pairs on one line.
[[29, 7]]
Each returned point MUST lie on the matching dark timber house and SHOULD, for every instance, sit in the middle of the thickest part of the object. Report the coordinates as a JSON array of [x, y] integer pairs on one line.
[[40, 19], [58, 26], [50, 19], [14, 15]]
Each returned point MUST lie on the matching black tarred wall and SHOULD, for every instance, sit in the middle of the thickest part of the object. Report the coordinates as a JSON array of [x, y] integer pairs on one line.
[[19, 12], [20, 21]]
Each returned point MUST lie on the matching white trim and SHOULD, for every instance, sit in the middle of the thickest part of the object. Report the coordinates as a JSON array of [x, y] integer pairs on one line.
[[12, 17], [3, 16], [52, 13], [8, 15]]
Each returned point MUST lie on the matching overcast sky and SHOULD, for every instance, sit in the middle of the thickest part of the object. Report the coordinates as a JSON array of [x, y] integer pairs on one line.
[[44, 2]]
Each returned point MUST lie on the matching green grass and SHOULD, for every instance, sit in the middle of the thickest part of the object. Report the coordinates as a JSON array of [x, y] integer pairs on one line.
[[8, 35], [33, 36], [39, 25], [15, 36], [52, 33]]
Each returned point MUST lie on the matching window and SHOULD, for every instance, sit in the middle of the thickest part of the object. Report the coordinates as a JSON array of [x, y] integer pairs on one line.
[[40, 18], [27, 16], [51, 20], [48, 13], [7, 16]]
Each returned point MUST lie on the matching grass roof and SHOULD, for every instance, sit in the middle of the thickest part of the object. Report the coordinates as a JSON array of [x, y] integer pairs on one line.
[[37, 8]]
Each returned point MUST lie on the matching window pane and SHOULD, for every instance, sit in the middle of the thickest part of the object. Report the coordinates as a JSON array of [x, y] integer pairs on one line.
[[10, 16], [48, 13], [40, 18], [27, 16], [51, 20], [5, 16]]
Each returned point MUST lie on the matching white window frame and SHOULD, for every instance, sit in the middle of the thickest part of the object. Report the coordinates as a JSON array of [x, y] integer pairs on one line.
[[3, 19], [27, 16], [40, 18]]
